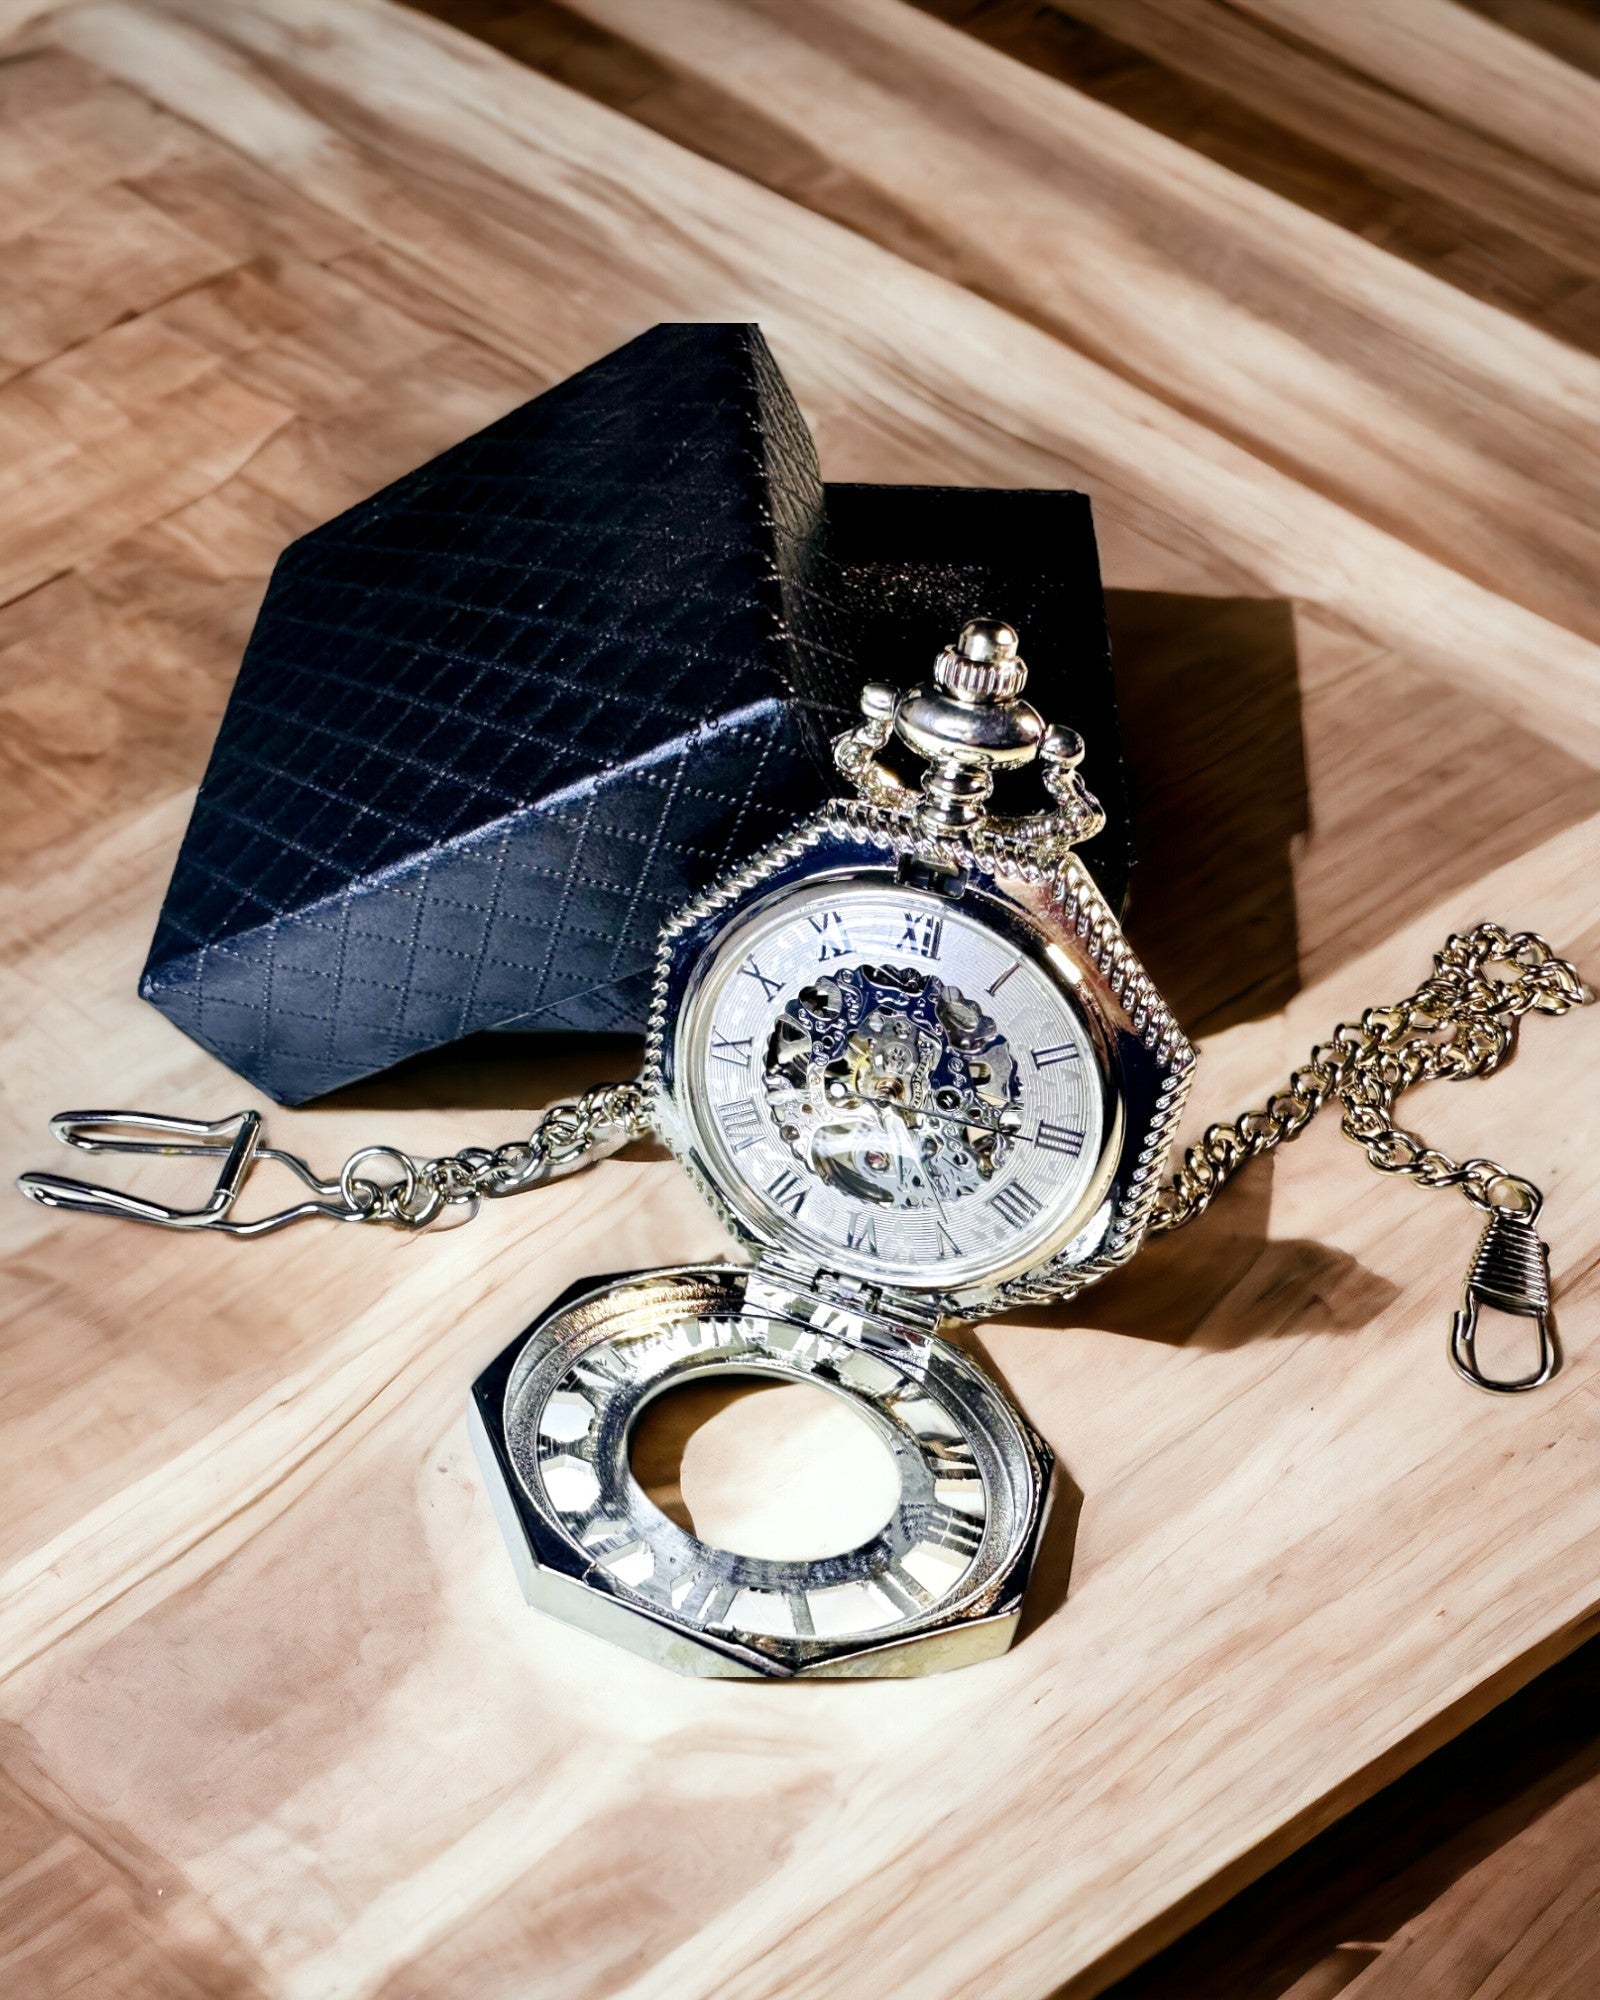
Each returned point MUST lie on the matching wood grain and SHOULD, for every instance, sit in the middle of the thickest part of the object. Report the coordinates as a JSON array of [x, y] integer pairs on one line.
[[1393, 130], [1292, 336], [277, 1721], [1186, 91], [1566, 28], [1507, 1808], [1265, 531], [1470, 71]]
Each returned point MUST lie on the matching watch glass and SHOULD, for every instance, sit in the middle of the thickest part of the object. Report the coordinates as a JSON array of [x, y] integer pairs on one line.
[[896, 1082]]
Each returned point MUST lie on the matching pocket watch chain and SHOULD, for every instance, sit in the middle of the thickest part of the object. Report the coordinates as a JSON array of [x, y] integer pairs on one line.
[[416, 1191], [1461, 1022]]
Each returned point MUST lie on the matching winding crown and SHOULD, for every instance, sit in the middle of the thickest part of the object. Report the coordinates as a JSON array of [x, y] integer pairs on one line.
[[966, 723], [983, 664]]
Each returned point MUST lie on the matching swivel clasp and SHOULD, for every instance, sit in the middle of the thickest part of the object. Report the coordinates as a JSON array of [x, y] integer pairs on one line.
[[1511, 1272]]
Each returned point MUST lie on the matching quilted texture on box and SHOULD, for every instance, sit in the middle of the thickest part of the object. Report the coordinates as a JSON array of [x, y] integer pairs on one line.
[[499, 720], [492, 722]]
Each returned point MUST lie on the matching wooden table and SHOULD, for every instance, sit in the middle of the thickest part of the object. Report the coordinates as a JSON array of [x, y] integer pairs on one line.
[[276, 1722]]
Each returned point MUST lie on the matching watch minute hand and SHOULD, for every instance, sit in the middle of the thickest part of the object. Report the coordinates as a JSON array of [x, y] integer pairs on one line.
[[944, 1117]]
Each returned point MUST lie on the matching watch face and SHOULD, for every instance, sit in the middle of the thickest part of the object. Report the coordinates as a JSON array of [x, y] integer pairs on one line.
[[896, 1082]]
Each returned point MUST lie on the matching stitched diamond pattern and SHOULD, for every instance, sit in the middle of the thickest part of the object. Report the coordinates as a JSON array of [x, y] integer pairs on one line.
[[498, 721]]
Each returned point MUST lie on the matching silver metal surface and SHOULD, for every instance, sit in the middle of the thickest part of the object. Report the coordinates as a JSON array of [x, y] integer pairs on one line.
[[1511, 1272], [237, 1140], [939, 1586], [1039, 907], [968, 1245], [983, 664], [966, 723], [417, 1191]]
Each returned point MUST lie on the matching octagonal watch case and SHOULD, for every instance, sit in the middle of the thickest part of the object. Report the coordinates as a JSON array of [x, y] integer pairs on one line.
[[909, 1059]]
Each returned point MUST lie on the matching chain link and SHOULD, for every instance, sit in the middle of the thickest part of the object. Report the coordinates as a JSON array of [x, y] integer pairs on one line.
[[1460, 1022], [410, 1193], [565, 1137]]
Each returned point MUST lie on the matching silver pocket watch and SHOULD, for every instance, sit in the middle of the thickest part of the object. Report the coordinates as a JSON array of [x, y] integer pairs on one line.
[[910, 1060]]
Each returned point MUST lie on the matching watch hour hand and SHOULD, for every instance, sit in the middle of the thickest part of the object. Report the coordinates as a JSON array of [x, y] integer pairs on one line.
[[906, 1116]]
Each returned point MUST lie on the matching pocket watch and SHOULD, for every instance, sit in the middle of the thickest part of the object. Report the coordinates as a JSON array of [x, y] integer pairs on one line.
[[908, 1057], [910, 1060]]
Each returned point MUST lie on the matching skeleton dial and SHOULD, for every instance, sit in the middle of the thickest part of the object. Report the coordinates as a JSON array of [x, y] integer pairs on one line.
[[880, 1076]]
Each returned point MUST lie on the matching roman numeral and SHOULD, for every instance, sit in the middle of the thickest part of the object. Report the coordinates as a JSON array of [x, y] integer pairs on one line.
[[726, 1050], [690, 1592], [601, 1368], [861, 1233], [953, 1458], [1059, 1139], [903, 1590], [1015, 1205], [741, 1121], [787, 1191], [1062, 1052], [829, 927], [995, 988], [769, 987], [952, 1530], [923, 934]]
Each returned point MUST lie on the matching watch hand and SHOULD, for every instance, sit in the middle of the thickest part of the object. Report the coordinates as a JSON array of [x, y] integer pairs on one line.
[[944, 1117], [904, 1112]]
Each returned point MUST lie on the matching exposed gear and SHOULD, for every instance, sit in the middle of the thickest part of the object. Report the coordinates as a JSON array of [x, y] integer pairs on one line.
[[893, 1085]]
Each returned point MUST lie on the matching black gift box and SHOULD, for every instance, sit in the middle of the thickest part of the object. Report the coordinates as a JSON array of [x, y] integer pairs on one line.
[[498, 721]]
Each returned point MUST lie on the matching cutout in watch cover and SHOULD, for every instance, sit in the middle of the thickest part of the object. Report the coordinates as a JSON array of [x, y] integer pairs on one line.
[[940, 1584], [762, 1468]]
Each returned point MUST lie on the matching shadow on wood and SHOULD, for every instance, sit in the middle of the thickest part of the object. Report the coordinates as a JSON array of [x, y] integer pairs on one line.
[[1375, 1870], [1224, 1281], [1051, 1576], [1210, 698], [521, 1072]]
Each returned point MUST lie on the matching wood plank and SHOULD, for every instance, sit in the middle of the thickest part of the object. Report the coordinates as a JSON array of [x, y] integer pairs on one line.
[[1469, 70], [1046, 414], [279, 1722], [1373, 1882], [1460, 1945], [1566, 28], [1374, 125], [1292, 337], [1307, 161]]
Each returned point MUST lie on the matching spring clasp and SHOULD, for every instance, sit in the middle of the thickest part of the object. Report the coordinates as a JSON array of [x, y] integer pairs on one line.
[[1511, 1272]]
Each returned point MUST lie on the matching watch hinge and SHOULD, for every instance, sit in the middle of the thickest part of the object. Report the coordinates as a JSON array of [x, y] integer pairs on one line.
[[831, 1300]]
